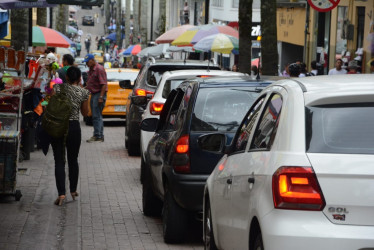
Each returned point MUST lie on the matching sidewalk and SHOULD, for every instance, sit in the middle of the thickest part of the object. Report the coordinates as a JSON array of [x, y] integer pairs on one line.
[[106, 215]]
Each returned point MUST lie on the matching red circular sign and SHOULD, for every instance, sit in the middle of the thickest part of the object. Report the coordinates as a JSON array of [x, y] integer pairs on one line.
[[323, 5]]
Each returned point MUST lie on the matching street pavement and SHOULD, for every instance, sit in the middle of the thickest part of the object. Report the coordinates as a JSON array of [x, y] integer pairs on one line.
[[106, 215]]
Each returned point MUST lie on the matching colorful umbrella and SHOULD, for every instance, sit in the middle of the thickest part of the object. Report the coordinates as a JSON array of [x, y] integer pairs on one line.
[[132, 50], [220, 43], [42, 36], [72, 30], [173, 33], [157, 50], [113, 36], [193, 35]]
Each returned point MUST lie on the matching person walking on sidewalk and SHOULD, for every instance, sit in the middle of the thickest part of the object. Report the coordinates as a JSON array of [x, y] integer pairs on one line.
[[67, 62], [98, 86], [79, 102]]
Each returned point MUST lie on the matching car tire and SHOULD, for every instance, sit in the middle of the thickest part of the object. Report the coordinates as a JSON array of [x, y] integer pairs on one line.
[[133, 150], [142, 169], [209, 242], [152, 205], [258, 245], [174, 219]]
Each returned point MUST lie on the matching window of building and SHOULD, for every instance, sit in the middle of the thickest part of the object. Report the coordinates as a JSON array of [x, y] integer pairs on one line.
[[217, 3], [235, 3]]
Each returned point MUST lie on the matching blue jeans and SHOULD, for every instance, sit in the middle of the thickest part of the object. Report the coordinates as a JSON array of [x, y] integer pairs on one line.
[[97, 117]]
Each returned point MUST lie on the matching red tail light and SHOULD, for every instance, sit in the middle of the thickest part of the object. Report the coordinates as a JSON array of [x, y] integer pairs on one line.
[[143, 92], [297, 188], [181, 159], [155, 108]]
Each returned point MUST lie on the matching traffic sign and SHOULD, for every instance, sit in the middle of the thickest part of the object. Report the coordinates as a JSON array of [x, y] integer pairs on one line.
[[323, 5]]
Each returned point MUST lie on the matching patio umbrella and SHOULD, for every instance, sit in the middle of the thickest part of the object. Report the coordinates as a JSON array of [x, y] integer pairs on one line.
[[195, 34], [220, 43], [132, 50], [113, 36], [72, 30], [173, 33], [154, 50], [42, 36], [179, 49]]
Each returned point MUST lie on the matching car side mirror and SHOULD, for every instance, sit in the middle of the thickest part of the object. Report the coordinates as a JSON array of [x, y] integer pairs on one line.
[[149, 124], [212, 142], [126, 84]]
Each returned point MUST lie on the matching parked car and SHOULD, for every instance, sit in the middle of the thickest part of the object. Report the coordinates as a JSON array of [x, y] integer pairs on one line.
[[145, 86], [88, 20], [169, 81], [120, 84], [299, 171], [176, 168]]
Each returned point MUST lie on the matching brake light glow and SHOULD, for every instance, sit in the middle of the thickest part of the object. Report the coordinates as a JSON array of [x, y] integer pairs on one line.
[[155, 108], [297, 188], [143, 92], [181, 162]]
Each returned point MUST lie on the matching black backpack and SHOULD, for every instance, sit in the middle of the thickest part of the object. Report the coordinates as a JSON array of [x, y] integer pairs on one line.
[[55, 119]]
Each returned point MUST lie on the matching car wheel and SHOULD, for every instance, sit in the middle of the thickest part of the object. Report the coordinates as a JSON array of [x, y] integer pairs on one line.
[[142, 169], [209, 243], [152, 205], [258, 242], [133, 150], [174, 219]]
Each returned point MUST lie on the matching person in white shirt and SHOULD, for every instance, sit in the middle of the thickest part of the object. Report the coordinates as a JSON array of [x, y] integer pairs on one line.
[[338, 70], [314, 70]]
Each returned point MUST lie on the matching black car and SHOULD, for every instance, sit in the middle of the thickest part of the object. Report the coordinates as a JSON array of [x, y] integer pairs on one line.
[[176, 166], [88, 20], [144, 87]]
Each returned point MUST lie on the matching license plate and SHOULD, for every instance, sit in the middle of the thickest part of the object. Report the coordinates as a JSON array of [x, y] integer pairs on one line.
[[120, 108]]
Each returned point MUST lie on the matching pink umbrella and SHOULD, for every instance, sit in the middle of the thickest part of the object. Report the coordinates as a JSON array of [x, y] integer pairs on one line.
[[172, 34]]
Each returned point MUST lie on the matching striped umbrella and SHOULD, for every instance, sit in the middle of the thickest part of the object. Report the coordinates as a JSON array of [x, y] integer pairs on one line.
[[220, 43], [173, 33], [132, 50], [42, 36], [195, 34]]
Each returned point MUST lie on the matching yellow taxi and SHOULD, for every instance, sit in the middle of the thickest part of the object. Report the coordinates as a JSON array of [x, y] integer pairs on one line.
[[99, 56], [115, 105]]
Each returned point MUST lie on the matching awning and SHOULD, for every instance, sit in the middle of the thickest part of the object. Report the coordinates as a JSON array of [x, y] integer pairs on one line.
[[4, 17], [16, 4]]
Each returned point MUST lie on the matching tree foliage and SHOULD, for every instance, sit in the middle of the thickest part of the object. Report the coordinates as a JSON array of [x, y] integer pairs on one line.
[[41, 17], [245, 30], [19, 19]]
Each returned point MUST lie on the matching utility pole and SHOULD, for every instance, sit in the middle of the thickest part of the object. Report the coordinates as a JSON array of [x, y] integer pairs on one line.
[[119, 24], [128, 22], [107, 14]]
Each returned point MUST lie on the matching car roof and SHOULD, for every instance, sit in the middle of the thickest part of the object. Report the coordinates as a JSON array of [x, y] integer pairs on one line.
[[239, 80], [180, 62], [188, 72], [122, 70], [319, 90]]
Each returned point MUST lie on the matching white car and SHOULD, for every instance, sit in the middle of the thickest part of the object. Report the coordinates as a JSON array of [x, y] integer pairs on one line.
[[300, 171], [169, 81]]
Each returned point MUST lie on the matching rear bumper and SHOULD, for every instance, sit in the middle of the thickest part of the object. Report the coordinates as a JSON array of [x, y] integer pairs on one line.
[[283, 229], [188, 190]]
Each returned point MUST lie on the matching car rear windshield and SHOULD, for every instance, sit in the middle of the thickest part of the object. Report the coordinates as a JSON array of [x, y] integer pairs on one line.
[[119, 76], [222, 109], [154, 73], [340, 129], [170, 85]]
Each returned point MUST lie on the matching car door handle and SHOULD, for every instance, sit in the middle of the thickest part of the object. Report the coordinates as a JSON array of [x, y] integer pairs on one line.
[[229, 181], [251, 180]]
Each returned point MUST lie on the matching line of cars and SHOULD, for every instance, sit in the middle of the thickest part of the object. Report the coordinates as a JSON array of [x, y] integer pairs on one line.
[[268, 165]]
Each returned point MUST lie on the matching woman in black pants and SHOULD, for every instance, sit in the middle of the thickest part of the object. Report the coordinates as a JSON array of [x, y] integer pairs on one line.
[[79, 100]]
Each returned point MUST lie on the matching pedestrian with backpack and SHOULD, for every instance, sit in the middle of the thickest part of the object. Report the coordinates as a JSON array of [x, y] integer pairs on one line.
[[77, 96]]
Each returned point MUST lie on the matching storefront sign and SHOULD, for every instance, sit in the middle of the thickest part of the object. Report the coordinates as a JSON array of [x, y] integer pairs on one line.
[[291, 25], [323, 5]]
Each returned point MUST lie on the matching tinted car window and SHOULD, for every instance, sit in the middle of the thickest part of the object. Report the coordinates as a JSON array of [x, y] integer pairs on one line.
[[340, 129], [171, 120], [247, 126], [221, 109], [170, 85], [266, 130]]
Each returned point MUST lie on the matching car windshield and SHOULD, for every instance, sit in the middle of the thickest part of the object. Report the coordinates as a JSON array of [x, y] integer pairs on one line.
[[340, 129], [222, 109], [170, 85], [114, 76]]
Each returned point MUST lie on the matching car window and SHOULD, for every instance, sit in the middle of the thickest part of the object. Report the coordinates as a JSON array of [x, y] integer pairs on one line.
[[340, 128], [268, 124], [247, 126], [170, 85], [114, 76], [171, 120], [221, 109]]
